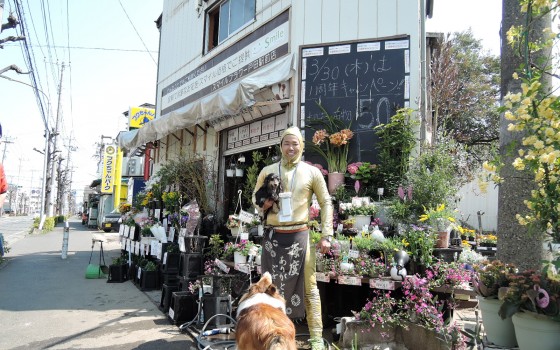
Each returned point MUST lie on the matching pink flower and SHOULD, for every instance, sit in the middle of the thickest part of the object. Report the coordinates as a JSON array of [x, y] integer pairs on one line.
[[353, 168]]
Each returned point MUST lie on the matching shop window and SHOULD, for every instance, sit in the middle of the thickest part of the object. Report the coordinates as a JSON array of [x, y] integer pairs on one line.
[[227, 18]]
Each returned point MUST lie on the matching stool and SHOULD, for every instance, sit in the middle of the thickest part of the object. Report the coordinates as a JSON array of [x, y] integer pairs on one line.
[[97, 271]]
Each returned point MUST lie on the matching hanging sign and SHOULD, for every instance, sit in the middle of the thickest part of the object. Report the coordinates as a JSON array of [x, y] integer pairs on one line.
[[109, 163]]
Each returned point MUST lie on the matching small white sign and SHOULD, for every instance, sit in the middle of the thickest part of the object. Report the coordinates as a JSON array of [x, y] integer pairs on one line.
[[339, 49], [139, 274], [352, 253], [171, 313], [385, 284], [221, 265], [245, 216], [322, 277], [164, 260], [171, 235], [350, 280], [245, 268], [312, 52]]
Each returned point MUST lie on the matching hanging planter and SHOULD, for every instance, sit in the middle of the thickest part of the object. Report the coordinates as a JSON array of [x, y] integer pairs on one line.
[[238, 172], [230, 172]]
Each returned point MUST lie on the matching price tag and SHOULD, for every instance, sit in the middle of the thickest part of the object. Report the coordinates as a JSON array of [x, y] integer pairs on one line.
[[171, 313], [339, 228], [322, 277], [381, 284], [353, 254], [245, 268], [353, 280], [221, 265], [171, 235], [245, 216], [244, 236], [139, 273]]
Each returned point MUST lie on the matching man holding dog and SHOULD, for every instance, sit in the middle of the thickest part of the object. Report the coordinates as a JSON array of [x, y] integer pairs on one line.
[[287, 251]]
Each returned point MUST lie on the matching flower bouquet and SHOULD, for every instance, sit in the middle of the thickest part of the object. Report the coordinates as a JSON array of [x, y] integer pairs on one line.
[[331, 141]]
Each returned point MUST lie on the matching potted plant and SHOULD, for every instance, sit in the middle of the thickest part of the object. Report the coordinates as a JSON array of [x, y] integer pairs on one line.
[[419, 243], [440, 220], [240, 250], [532, 300], [488, 278], [363, 174], [233, 224], [360, 213], [149, 276], [118, 270], [171, 258], [331, 141]]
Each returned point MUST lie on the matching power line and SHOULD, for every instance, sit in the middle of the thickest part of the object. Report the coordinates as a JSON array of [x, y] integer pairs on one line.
[[132, 24], [91, 48]]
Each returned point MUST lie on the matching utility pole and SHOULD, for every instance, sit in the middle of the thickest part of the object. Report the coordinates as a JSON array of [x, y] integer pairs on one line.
[[6, 141], [52, 154]]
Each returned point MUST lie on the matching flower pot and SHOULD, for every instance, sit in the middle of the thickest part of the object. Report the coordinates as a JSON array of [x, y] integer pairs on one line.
[[534, 331], [499, 332], [117, 273], [442, 239], [230, 172], [234, 231], [239, 172], [361, 221], [239, 258], [334, 181]]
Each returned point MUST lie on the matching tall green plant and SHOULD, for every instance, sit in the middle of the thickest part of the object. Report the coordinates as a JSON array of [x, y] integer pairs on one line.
[[252, 173], [396, 141], [432, 176]]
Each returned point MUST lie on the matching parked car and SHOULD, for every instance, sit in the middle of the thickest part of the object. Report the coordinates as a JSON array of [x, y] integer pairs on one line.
[[111, 221]]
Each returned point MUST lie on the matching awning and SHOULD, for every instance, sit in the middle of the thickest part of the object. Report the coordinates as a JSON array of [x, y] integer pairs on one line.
[[230, 100]]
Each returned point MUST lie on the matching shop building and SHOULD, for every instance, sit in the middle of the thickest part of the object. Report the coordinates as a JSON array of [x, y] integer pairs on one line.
[[233, 74]]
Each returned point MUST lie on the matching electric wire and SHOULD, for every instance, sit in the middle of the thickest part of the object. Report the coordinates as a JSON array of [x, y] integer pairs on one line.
[[29, 61], [139, 36]]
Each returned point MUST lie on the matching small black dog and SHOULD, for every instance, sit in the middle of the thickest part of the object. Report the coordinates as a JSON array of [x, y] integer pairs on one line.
[[270, 189]]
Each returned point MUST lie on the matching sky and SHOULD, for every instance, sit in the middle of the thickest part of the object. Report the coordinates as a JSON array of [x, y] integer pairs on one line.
[[109, 57], [109, 51]]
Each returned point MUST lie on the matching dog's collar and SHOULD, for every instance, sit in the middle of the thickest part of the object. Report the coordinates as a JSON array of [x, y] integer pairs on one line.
[[261, 298]]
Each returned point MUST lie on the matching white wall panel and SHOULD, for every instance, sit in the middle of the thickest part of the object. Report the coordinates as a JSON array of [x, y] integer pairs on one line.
[[387, 17], [349, 13], [367, 19], [312, 22], [330, 23], [472, 200]]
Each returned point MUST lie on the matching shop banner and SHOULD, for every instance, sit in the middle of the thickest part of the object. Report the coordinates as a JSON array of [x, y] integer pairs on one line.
[[109, 163], [138, 116]]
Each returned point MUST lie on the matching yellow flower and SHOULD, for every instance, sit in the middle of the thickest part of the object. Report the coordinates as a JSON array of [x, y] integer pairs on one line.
[[489, 167], [518, 164]]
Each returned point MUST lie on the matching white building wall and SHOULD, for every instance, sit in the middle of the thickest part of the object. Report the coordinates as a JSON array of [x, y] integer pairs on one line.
[[472, 200], [311, 22]]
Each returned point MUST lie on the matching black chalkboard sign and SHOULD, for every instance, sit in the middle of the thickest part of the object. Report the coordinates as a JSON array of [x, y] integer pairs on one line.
[[362, 82]]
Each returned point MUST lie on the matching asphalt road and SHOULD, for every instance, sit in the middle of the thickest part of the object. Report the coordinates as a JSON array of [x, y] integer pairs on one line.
[[47, 303]]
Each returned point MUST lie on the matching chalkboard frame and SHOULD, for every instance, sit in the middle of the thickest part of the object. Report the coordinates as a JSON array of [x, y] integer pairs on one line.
[[362, 147]]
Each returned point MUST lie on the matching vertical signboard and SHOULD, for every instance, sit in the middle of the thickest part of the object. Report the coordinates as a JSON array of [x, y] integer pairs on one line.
[[109, 161]]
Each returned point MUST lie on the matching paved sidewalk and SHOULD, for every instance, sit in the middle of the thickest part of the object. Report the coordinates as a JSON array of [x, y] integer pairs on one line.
[[47, 303]]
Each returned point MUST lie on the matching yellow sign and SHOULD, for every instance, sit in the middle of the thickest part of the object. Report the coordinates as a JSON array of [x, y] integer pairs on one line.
[[138, 116], [109, 163]]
